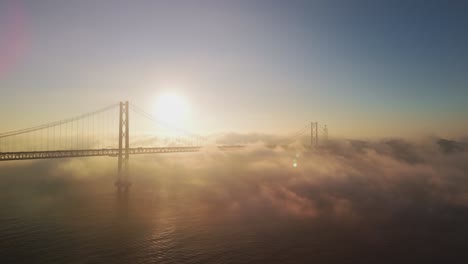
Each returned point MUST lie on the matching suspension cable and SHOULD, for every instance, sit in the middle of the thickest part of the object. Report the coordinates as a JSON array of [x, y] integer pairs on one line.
[[147, 115], [56, 123]]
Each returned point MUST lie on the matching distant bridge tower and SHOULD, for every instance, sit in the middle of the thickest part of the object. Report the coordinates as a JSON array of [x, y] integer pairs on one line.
[[123, 181], [314, 134]]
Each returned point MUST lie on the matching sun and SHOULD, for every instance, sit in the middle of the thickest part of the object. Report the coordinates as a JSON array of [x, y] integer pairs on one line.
[[171, 108]]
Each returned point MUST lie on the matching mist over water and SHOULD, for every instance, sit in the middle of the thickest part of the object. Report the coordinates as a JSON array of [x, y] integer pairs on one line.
[[392, 201]]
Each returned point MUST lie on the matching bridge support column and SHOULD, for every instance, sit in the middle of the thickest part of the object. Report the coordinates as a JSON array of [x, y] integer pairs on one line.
[[123, 182], [313, 134]]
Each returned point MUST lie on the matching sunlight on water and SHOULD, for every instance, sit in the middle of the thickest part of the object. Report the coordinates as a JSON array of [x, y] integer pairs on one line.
[[251, 207]]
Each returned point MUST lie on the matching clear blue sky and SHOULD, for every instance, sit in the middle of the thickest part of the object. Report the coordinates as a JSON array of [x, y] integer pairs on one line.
[[367, 68]]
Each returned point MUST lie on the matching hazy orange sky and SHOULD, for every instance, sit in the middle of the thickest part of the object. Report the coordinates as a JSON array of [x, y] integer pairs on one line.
[[365, 69]]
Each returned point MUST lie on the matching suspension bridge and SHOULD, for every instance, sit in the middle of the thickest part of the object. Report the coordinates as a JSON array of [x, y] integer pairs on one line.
[[94, 134]]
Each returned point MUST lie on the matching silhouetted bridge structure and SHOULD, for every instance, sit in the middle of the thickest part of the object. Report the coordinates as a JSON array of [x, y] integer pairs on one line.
[[94, 134], [55, 154]]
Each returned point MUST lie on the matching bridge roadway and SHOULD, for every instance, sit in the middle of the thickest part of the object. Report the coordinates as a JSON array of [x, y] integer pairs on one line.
[[55, 154]]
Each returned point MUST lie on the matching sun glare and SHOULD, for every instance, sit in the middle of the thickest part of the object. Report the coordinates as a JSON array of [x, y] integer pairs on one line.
[[171, 108]]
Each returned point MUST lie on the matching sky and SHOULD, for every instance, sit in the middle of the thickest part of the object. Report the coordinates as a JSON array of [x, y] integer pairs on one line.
[[366, 68]]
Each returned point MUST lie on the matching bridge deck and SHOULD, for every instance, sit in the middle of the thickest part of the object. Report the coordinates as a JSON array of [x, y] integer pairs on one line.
[[54, 154]]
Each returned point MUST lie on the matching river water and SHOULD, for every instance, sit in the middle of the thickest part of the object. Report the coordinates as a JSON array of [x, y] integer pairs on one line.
[[69, 212]]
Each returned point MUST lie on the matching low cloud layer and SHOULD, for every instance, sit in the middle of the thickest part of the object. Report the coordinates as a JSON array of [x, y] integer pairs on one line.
[[387, 191], [343, 179]]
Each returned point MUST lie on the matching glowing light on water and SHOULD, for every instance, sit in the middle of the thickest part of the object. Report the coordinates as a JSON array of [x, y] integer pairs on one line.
[[295, 164]]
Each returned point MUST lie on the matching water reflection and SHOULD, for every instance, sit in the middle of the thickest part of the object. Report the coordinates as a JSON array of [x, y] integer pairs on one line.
[[240, 209]]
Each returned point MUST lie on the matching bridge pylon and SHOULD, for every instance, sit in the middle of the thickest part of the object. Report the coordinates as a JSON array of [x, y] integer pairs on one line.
[[123, 182], [313, 134]]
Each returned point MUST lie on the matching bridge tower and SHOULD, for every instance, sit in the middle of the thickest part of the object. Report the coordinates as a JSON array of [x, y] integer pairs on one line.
[[314, 134], [123, 181]]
